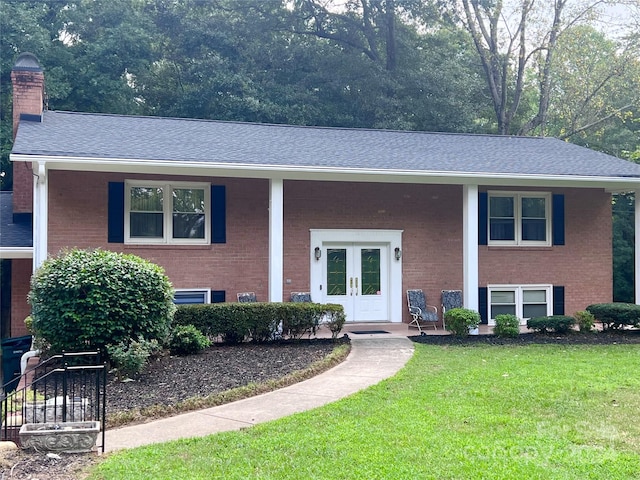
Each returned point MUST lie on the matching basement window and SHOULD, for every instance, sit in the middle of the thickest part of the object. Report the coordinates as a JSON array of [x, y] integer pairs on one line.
[[192, 297], [523, 301]]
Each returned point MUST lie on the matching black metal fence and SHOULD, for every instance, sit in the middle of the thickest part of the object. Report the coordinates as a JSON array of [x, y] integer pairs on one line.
[[70, 387]]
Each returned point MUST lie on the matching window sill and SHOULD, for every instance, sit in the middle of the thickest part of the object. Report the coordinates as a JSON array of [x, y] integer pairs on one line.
[[165, 246], [520, 248]]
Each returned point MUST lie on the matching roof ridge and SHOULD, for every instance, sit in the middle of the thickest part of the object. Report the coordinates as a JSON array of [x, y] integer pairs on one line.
[[289, 125]]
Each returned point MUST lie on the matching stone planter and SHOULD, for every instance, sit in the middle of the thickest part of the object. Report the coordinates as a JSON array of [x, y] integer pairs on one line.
[[69, 437]]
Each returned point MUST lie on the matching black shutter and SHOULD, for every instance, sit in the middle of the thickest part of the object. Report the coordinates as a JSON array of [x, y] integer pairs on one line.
[[483, 218], [115, 221], [218, 296], [218, 214], [483, 306], [558, 219], [558, 300]]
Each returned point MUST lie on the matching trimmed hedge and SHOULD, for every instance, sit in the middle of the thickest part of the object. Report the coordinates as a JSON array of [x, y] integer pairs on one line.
[[260, 321], [554, 323], [616, 315]]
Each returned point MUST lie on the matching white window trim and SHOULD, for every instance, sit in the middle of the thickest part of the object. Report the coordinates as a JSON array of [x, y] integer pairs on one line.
[[205, 291], [167, 213], [517, 196], [519, 289]]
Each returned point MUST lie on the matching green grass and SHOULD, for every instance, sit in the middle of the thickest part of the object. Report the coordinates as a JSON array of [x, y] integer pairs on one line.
[[481, 412]]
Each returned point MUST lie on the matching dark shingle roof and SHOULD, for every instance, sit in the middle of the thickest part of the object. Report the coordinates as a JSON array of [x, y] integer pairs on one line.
[[129, 138], [14, 231]]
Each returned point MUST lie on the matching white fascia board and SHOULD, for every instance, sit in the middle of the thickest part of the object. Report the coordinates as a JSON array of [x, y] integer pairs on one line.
[[296, 172], [16, 252]]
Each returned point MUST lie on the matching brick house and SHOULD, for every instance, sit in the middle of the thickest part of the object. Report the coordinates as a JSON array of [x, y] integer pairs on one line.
[[355, 216]]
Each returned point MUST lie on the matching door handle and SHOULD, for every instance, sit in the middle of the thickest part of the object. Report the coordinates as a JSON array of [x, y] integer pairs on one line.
[[356, 286], [351, 285]]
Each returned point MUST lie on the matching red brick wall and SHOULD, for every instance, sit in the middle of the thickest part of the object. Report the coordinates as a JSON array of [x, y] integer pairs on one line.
[[429, 215], [432, 243], [584, 265], [20, 281], [78, 218], [28, 96], [22, 187]]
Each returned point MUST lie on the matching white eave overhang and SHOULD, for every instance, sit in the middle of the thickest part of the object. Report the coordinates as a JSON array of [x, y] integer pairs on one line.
[[318, 173], [15, 252]]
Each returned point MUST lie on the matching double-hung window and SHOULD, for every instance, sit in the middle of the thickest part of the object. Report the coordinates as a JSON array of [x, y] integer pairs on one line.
[[523, 301], [168, 213], [519, 218]]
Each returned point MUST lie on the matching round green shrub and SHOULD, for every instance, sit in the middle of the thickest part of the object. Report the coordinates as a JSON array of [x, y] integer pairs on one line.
[[507, 325], [187, 339], [460, 320], [585, 320], [88, 299], [130, 357]]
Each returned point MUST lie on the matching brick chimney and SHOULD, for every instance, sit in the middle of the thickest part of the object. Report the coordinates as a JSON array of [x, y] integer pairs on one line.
[[27, 79]]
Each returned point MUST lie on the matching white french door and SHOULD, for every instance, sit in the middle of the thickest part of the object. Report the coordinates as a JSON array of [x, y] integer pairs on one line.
[[356, 276], [356, 269]]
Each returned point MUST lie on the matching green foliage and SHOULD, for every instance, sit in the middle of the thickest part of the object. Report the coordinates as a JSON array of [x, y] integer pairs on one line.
[[623, 247], [616, 315], [86, 300], [507, 325], [130, 357], [244, 61], [187, 339], [585, 320], [28, 324], [553, 323], [460, 320], [386, 66], [258, 322]]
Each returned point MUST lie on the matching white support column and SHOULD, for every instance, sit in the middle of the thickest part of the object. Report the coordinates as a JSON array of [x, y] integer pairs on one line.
[[40, 214], [276, 239], [470, 246], [637, 247]]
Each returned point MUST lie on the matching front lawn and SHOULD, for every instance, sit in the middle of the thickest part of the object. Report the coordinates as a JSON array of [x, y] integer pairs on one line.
[[455, 412]]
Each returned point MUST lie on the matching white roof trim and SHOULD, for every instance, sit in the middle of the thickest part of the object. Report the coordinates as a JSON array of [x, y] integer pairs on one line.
[[317, 173]]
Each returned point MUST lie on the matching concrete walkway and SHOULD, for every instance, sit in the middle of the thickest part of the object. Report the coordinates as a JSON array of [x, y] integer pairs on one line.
[[373, 358]]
